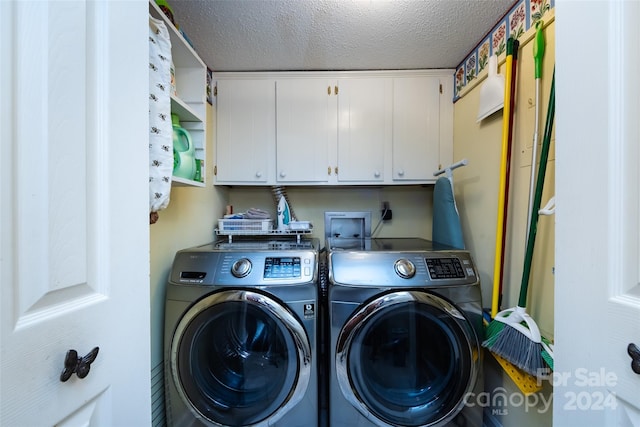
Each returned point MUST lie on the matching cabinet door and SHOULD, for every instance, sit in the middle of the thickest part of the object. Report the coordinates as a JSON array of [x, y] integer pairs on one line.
[[306, 126], [416, 128], [364, 126], [246, 131]]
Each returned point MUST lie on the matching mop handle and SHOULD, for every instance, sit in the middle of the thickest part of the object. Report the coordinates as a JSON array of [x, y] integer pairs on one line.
[[538, 54], [533, 227]]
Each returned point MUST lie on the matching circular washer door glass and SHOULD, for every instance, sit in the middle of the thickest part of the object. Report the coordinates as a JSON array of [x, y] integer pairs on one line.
[[410, 361], [236, 362]]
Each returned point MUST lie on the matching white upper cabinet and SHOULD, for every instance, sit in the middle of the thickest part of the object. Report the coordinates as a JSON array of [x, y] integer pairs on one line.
[[364, 129], [306, 128], [416, 128], [324, 128], [246, 132]]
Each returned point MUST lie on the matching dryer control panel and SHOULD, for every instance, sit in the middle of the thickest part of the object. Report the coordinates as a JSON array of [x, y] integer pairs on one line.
[[452, 268], [445, 268]]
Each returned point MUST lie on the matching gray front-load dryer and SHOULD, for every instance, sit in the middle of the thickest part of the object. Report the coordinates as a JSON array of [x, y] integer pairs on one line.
[[406, 326], [240, 335]]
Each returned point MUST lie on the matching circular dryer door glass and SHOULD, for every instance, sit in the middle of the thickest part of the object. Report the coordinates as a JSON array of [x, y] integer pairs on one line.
[[410, 360], [236, 360]]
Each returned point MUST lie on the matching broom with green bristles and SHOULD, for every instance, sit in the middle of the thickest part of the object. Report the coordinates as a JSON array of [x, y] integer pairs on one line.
[[513, 334]]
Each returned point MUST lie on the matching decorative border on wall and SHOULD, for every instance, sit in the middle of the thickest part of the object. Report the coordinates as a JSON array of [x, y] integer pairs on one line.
[[522, 16]]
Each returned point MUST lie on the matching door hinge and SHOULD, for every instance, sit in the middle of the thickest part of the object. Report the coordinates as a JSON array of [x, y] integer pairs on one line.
[[440, 87], [215, 170], [215, 90]]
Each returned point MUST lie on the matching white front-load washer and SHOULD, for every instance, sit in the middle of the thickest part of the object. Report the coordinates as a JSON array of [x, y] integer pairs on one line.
[[240, 335], [406, 327]]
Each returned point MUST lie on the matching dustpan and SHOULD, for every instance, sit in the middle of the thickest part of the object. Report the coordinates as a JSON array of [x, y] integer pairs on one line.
[[492, 91]]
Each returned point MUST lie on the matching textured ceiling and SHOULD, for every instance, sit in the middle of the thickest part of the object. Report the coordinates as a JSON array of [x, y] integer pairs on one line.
[[293, 35]]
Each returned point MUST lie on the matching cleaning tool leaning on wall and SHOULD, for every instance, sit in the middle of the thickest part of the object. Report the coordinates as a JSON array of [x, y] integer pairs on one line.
[[505, 161], [513, 334]]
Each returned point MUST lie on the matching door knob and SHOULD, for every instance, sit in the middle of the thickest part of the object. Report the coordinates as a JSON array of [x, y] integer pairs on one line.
[[78, 365], [634, 352]]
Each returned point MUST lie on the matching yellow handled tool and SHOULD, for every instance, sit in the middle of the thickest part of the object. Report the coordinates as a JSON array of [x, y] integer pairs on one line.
[[502, 191]]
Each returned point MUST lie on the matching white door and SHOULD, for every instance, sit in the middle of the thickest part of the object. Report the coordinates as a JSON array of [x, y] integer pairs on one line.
[[597, 308], [74, 260]]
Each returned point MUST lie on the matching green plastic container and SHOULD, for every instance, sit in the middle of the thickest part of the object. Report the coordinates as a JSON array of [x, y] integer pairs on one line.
[[184, 161]]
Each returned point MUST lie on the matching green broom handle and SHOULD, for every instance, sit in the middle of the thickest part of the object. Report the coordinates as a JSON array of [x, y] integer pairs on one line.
[[533, 227]]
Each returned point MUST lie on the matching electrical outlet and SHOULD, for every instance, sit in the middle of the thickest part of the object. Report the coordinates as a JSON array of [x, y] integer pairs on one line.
[[386, 213]]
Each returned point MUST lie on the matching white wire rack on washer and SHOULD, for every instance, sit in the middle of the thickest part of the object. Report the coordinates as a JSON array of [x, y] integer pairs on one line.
[[255, 227]]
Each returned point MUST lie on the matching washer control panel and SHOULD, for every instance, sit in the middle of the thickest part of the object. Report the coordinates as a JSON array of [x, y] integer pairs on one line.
[[266, 268], [282, 268], [247, 263]]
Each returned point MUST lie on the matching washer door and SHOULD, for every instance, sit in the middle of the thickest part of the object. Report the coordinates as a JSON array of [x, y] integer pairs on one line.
[[407, 358], [240, 358]]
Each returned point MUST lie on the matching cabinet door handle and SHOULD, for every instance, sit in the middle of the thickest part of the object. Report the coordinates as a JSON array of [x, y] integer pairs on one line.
[[401, 172], [335, 90], [634, 352], [329, 171], [78, 365], [328, 90], [376, 174], [258, 174], [282, 174]]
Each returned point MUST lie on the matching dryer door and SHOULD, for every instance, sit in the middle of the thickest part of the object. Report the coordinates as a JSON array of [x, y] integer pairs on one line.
[[407, 358], [240, 358]]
